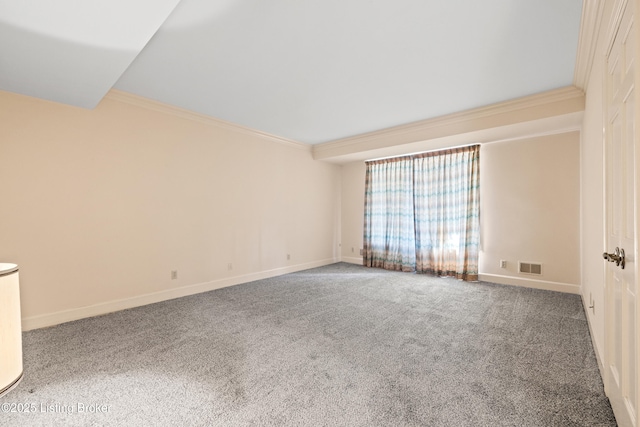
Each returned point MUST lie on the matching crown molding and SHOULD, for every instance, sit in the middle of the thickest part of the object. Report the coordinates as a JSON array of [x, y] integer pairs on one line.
[[559, 102], [590, 22], [149, 104], [546, 127]]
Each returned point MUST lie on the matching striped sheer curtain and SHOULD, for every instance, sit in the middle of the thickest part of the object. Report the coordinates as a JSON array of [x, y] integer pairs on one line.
[[447, 207], [422, 213], [388, 215]]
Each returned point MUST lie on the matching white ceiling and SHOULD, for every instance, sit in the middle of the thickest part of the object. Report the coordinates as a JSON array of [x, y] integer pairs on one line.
[[311, 71]]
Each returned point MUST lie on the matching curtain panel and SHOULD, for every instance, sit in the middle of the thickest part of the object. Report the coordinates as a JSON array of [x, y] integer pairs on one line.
[[422, 213], [388, 215], [447, 212]]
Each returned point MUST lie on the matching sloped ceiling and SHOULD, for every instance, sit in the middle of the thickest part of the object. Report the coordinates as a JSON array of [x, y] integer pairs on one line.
[[73, 51], [311, 71]]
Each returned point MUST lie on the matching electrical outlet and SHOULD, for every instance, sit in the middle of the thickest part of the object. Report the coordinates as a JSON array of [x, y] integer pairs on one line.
[[230, 266], [503, 263], [288, 257], [353, 249], [174, 274]]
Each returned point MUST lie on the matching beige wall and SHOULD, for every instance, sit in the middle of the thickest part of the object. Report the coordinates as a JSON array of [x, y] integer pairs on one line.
[[530, 198], [353, 175], [529, 210], [99, 206]]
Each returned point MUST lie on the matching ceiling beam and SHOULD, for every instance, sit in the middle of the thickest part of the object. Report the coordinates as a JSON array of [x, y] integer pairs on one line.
[[554, 111]]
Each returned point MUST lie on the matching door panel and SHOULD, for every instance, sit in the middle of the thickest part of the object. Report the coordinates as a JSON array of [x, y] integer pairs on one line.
[[621, 379]]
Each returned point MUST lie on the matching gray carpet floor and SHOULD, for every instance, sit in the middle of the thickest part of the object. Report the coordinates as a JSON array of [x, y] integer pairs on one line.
[[341, 345]]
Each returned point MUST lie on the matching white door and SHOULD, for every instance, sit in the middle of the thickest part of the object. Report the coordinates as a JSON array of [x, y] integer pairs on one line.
[[621, 359]]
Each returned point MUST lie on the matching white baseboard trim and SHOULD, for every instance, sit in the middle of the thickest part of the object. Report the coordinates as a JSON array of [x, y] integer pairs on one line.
[[530, 283], [56, 318], [352, 260]]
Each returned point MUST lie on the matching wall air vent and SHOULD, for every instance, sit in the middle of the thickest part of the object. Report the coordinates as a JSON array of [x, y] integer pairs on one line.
[[529, 268]]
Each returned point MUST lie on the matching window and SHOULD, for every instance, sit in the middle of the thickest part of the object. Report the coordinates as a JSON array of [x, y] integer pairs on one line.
[[422, 213]]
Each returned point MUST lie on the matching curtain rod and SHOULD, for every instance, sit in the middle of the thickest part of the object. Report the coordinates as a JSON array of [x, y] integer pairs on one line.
[[423, 152]]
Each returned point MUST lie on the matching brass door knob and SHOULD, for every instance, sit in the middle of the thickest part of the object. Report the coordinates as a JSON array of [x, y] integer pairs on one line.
[[617, 256]]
